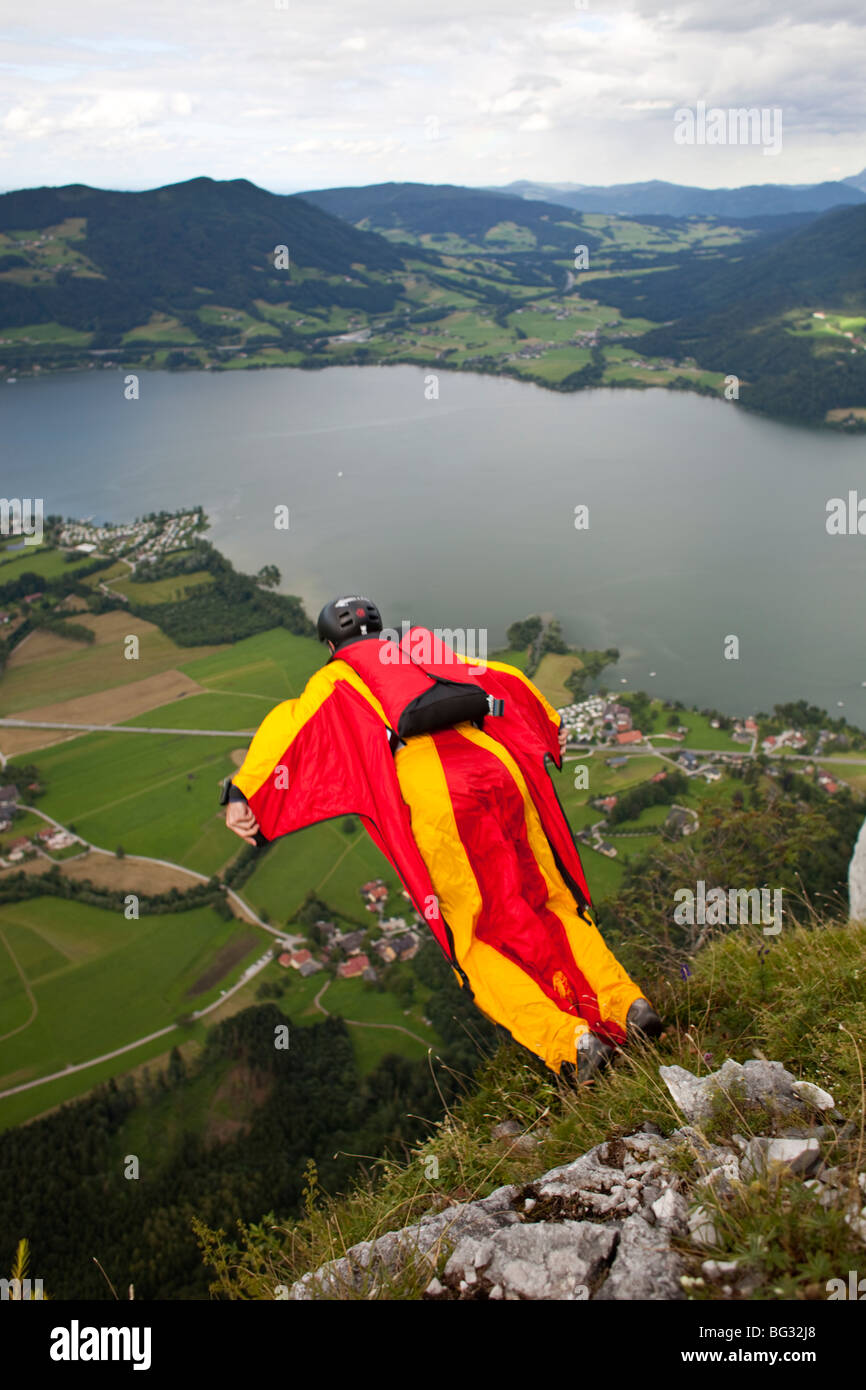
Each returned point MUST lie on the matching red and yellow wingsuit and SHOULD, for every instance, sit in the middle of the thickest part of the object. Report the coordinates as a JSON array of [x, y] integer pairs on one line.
[[471, 823]]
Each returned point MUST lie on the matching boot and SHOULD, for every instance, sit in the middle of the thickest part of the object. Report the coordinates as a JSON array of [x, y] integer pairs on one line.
[[593, 1055], [642, 1021]]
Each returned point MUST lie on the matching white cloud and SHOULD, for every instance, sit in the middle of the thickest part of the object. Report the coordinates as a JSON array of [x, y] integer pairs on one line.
[[326, 93]]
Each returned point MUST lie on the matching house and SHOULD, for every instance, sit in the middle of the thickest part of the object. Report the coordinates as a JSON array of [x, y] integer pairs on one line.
[[712, 774], [284, 960], [633, 736], [604, 847], [348, 969], [351, 943], [688, 760], [750, 726], [658, 776], [405, 947], [21, 843], [391, 924], [299, 958], [9, 796], [385, 951], [616, 762], [679, 821], [606, 803], [310, 967]]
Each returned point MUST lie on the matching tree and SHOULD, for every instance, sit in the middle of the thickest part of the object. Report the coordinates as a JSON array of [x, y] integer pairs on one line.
[[269, 577], [524, 633]]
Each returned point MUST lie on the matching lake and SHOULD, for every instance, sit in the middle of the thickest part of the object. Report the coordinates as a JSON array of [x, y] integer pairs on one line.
[[704, 521]]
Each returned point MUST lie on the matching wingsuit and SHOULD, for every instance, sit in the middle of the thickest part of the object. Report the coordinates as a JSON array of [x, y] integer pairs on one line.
[[467, 814]]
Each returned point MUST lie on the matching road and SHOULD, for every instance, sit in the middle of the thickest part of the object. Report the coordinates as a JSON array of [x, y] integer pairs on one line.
[[355, 1023], [122, 728], [249, 974]]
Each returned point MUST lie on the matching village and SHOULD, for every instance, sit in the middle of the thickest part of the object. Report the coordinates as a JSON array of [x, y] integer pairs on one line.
[[51, 841], [389, 939], [600, 723], [141, 541]]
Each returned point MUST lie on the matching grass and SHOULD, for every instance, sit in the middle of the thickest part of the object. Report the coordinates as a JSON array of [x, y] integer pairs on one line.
[[733, 1005], [603, 875], [99, 981], [321, 859], [213, 710], [45, 332], [71, 669], [45, 561], [132, 790], [551, 675], [162, 590], [275, 664]]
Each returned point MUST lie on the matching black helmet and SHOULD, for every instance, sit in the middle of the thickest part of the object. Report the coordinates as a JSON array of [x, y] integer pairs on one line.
[[344, 619]]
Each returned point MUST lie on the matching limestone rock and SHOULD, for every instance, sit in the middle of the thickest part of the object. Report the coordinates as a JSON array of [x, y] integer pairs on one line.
[[798, 1155], [644, 1266], [813, 1095], [544, 1260], [702, 1228], [857, 878], [755, 1081]]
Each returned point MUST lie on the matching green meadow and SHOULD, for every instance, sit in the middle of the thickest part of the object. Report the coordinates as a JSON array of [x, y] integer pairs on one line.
[[100, 981], [154, 794]]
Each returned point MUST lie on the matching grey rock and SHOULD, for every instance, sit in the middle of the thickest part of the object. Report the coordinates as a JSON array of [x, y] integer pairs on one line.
[[754, 1082], [671, 1210], [719, 1271], [363, 1267], [798, 1155], [813, 1096], [857, 878], [544, 1260], [585, 1174], [506, 1129], [502, 1199], [702, 1227], [644, 1267]]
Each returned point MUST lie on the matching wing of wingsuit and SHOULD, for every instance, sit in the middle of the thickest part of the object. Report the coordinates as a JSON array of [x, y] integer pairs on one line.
[[469, 818]]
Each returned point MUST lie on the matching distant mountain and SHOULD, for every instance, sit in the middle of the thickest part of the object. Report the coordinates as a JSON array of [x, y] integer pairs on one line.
[[125, 255], [449, 210], [751, 314], [678, 200]]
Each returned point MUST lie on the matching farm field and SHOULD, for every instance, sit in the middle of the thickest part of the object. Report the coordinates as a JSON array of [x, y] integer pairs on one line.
[[46, 668], [156, 794], [551, 675], [206, 710], [96, 981], [46, 562], [603, 875], [275, 664], [323, 860], [160, 590]]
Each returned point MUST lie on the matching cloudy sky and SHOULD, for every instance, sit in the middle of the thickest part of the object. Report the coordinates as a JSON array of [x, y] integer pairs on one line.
[[296, 94]]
